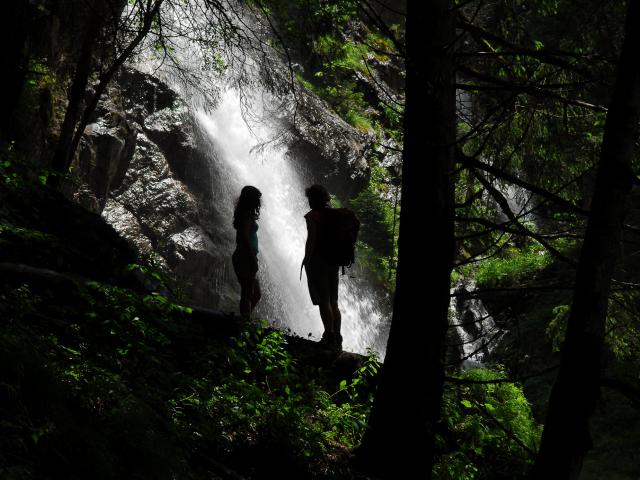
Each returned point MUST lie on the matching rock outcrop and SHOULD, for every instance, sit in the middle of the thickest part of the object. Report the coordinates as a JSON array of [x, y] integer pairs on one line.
[[141, 166], [332, 149]]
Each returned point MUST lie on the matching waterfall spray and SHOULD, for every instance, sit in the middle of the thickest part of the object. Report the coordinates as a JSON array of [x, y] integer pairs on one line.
[[474, 325], [238, 156], [282, 231]]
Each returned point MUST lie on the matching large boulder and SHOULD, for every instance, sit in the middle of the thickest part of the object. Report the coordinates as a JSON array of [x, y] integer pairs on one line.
[[139, 165]]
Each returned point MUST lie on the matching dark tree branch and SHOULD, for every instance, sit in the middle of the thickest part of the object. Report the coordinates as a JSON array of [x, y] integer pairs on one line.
[[552, 57], [550, 196], [506, 430], [153, 7], [535, 89], [506, 209]]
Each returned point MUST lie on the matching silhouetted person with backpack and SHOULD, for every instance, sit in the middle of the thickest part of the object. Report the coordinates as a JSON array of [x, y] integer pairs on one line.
[[245, 256], [322, 276]]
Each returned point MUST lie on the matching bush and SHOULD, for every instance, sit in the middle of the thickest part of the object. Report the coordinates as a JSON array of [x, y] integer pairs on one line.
[[490, 431], [513, 267]]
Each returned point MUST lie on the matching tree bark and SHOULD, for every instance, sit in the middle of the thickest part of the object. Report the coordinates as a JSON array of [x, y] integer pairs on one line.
[[73, 129], [399, 442], [13, 38], [566, 438], [76, 98], [105, 78]]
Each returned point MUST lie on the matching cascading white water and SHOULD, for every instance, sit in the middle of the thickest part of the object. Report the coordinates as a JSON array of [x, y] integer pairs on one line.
[[282, 231], [474, 325], [237, 162]]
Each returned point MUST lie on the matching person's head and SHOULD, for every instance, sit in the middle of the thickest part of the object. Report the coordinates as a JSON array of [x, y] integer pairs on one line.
[[248, 204], [318, 196]]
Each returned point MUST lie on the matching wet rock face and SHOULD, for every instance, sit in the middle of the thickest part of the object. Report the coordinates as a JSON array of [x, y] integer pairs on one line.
[[332, 149], [140, 167], [103, 155]]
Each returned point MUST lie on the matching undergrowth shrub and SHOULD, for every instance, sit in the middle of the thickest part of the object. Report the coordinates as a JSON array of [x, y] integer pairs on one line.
[[132, 387], [490, 430]]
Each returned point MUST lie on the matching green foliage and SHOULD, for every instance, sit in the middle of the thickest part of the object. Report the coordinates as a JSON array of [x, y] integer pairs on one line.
[[514, 266], [622, 329], [88, 368], [358, 389], [334, 12], [491, 431], [339, 11], [346, 100], [15, 173], [358, 120], [341, 52], [40, 75], [267, 402], [377, 248], [150, 272], [343, 55], [8, 175], [150, 405], [25, 233], [558, 325]]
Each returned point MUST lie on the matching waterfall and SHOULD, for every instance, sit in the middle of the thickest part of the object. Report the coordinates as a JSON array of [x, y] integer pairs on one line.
[[237, 156], [475, 327], [282, 229]]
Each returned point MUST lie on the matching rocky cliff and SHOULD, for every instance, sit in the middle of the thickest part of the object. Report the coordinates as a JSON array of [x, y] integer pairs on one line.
[[142, 166]]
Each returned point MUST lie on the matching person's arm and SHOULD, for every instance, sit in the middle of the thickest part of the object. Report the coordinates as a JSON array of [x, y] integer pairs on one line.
[[311, 240]]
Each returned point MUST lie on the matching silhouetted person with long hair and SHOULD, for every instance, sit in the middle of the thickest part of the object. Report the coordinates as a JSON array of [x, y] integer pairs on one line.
[[245, 256], [322, 276]]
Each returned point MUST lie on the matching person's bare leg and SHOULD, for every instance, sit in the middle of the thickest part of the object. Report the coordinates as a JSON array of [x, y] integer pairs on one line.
[[246, 294], [257, 294], [337, 323], [326, 315], [337, 317]]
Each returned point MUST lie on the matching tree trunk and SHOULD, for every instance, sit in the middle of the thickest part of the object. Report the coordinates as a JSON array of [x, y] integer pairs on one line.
[[13, 38], [83, 70], [73, 129], [566, 438], [399, 442], [105, 78]]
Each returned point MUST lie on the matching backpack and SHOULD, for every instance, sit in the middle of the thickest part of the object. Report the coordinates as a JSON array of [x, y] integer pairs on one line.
[[341, 228]]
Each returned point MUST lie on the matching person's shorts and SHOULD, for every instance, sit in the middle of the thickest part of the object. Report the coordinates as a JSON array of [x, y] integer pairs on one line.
[[322, 280], [241, 261]]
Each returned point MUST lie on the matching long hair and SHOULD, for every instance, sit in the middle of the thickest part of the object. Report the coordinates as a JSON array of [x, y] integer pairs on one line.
[[248, 204], [318, 196]]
